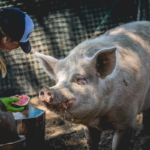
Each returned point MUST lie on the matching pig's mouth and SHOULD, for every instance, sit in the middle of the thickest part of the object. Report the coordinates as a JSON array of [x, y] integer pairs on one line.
[[64, 106]]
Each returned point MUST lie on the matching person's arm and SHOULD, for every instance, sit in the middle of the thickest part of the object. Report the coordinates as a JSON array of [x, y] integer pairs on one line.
[[5, 104]]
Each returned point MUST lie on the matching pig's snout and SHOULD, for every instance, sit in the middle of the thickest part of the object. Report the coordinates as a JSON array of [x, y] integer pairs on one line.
[[46, 95], [55, 98]]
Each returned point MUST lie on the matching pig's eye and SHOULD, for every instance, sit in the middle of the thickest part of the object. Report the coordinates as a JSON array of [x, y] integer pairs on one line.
[[80, 80]]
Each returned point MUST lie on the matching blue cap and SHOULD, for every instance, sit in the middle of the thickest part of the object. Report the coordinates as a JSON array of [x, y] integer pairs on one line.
[[17, 25]]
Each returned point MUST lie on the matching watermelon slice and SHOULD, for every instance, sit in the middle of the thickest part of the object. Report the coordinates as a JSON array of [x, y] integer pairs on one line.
[[24, 99]]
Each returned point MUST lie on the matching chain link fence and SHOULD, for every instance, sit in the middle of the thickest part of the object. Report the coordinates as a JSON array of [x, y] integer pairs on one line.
[[59, 26]]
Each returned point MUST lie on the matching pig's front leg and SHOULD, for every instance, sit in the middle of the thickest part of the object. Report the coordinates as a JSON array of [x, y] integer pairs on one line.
[[121, 139], [93, 137]]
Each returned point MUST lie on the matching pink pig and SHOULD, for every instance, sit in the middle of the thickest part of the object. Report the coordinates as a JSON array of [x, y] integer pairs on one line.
[[103, 83]]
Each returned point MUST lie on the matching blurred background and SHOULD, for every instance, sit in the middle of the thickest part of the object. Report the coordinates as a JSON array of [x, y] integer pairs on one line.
[[59, 26]]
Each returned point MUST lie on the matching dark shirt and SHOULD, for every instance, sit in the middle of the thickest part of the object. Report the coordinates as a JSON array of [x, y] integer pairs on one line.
[[2, 106]]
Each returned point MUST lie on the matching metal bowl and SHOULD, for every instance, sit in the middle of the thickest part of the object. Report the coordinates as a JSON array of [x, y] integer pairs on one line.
[[16, 145]]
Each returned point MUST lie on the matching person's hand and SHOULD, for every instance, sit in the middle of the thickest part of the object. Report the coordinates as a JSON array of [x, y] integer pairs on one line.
[[7, 102]]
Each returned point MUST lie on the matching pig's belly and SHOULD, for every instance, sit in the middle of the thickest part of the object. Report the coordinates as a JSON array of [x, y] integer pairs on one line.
[[104, 124]]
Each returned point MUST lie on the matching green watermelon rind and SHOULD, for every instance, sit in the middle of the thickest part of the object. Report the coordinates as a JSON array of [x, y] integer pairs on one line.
[[22, 104]]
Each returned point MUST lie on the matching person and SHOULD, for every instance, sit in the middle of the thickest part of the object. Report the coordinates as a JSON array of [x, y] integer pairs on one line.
[[15, 29]]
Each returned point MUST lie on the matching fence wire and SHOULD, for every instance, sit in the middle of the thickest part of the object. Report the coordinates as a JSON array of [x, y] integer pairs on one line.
[[59, 26]]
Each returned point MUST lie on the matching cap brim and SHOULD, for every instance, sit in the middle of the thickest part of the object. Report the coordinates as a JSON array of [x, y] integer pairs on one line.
[[26, 47]]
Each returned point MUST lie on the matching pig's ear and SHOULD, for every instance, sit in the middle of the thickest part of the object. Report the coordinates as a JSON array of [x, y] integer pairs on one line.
[[48, 63], [105, 61]]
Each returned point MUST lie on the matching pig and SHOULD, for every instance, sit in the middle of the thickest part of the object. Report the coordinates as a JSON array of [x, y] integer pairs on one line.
[[103, 83]]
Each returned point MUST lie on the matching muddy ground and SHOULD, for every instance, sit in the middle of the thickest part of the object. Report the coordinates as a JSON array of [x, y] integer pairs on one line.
[[62, 135]]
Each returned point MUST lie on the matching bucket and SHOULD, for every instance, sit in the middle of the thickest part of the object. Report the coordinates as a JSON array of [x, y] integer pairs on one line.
[[31, 124]]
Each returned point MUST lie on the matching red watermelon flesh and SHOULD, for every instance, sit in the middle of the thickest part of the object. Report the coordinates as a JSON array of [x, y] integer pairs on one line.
[[23, 99]]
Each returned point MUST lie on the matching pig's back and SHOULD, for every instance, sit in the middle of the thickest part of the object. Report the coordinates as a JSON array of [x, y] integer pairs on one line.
[[128, 36], [133, 41]]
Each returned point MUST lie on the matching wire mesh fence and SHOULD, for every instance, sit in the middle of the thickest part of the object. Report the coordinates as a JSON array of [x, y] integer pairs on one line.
[[59, 26]]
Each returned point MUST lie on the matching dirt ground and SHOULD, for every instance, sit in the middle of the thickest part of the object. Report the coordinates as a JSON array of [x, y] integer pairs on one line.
[[61, 135]]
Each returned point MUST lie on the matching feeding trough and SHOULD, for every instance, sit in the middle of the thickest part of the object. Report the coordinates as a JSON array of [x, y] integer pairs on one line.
[[16, 145], [31, 123]]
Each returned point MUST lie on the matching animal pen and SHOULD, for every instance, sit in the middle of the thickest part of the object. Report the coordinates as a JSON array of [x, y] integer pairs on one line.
[[59, 26]]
